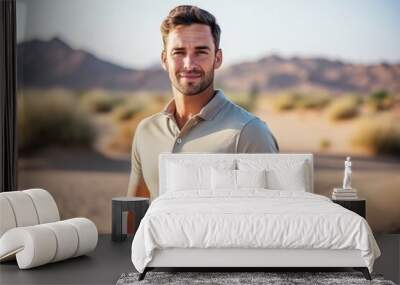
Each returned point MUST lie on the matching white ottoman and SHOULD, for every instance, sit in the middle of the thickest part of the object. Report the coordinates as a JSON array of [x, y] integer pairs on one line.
[[31, 232]]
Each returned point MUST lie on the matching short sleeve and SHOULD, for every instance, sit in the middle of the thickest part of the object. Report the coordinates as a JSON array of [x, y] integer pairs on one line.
[[256, 137], [136, 167]]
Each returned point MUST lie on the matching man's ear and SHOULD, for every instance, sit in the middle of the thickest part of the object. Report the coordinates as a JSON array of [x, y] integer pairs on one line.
[[164, 60], [218, 59]]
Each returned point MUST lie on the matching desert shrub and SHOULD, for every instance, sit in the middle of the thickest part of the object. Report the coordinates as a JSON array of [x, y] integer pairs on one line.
[[126, 129], [380, 100], [295, 100], [285, 102], [241, 99], [325, 144], [244, 103], [51, 118], [380, 134], [99, 101], [312, 101], [343, 108], [126, 111]]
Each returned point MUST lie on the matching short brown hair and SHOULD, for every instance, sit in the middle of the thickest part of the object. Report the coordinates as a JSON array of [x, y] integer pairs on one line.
[[187, 15]]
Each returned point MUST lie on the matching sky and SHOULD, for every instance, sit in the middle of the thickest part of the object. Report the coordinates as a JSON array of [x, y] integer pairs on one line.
[[127, 32]]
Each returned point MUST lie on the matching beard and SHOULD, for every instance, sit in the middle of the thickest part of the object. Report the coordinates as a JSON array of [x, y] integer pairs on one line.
[[192, 88]]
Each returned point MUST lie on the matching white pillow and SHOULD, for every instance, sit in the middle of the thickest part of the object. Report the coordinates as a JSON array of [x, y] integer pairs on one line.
[[237, 179], [281, 174], [251, 178], [183, 177], [293, 179], [223, 179], [186, 174]]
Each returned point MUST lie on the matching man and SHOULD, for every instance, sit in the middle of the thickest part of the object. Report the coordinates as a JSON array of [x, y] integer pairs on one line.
[[198, 118]]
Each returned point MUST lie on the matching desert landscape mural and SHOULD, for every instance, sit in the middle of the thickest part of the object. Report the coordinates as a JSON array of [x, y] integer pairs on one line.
[[78, 111]]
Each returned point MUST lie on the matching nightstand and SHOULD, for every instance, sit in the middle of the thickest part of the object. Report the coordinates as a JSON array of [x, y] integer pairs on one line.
[[356, 205], [136, 205]]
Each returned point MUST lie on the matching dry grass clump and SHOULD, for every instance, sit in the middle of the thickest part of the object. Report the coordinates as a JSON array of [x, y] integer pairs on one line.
[[379, 101], [343, 108], [242, 99], [126, 111], [379, 134], [51, 117], [126, 129], [132, 105], [325, 144], [295, 100], [99, 101], [285, 102], [313, 101]]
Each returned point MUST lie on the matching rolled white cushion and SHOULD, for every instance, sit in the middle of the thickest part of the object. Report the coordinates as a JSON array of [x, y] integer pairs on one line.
[[23, 208], [45, 243], [67, 239], [45, 205], [33, 246], [87, 235], [7, 218]]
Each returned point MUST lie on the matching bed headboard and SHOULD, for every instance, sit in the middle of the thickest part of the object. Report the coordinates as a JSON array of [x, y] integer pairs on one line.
[[275, 161]]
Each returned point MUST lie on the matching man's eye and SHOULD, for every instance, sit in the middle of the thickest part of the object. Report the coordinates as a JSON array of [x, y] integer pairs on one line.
[[177, 53], [202, 52]]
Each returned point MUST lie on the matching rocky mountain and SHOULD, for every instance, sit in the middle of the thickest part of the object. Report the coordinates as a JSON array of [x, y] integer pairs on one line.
[[276, 73], [44, 64]]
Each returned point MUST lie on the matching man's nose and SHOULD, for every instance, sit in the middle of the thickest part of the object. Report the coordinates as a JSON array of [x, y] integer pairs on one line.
[[188, 62]]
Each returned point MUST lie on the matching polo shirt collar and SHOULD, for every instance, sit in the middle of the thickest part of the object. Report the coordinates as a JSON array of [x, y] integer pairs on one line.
[[208, 112]]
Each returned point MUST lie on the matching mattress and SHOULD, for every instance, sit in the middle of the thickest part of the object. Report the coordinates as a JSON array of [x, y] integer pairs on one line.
[[251, 219]]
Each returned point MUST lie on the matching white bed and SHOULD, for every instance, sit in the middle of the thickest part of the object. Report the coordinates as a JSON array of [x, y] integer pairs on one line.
[[201, 220]]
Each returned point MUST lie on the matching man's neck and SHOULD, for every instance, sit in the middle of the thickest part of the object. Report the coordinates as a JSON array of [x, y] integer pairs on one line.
[[188, 106]]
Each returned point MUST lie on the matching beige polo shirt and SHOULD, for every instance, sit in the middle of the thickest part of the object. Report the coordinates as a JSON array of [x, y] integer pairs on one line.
[[220, 127]]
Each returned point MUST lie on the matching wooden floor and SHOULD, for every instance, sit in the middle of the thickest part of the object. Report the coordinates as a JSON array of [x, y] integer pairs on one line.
[[111, 259]]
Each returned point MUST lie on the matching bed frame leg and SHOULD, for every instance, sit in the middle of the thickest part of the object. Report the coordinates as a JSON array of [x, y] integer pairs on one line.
[[364, 271], [143, 274]]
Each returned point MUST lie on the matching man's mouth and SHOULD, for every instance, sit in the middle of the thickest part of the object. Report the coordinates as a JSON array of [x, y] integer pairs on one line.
[[190, 75]]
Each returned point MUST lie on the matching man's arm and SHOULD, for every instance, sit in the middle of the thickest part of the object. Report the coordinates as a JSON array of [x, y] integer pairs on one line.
[[255, 137], [136, 187], [136, 175]]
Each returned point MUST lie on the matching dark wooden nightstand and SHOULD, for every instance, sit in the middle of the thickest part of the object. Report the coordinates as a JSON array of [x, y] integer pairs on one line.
[[358, 206], [136, 205]]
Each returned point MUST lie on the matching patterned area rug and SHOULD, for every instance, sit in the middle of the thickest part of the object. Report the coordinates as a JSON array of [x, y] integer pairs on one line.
[[230, 278]]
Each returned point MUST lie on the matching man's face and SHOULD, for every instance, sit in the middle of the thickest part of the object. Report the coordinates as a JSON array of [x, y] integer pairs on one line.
[[190, 58]]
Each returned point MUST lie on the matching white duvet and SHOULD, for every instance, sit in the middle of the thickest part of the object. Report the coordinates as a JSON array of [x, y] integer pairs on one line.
[[251, 218]]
